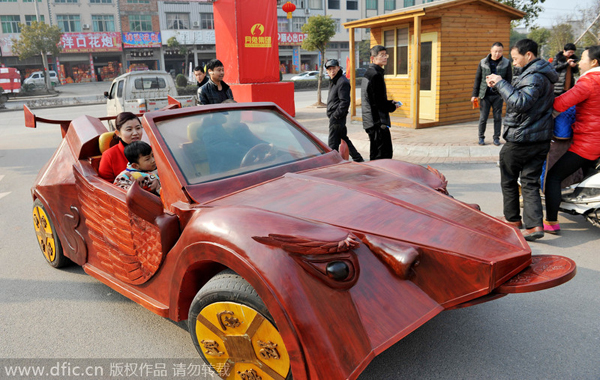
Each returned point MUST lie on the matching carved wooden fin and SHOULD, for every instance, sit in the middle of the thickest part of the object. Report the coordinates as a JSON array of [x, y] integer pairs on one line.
[[437, 173], [400, 259], [307, 246]]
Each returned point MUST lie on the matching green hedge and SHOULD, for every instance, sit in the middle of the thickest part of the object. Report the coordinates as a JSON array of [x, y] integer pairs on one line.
[[190, 89]]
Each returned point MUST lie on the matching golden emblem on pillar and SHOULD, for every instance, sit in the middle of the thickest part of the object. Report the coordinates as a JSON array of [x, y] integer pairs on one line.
[[268, 350], [226, 319], [212, 348]]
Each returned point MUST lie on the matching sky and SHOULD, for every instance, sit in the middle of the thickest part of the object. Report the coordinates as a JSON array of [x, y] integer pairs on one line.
[[556, 8]]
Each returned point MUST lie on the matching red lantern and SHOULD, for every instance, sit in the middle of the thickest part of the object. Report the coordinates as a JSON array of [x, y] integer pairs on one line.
[[288, 8]]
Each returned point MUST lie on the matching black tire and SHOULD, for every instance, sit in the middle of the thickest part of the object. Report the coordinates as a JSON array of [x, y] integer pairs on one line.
[[48, 240], [226, 286]]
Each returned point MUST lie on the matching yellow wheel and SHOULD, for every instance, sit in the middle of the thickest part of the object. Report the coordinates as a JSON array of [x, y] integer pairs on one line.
[[47, 237], [234, 332]]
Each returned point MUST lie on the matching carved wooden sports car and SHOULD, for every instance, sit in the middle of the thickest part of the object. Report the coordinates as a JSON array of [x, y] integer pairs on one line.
[[284, 258]]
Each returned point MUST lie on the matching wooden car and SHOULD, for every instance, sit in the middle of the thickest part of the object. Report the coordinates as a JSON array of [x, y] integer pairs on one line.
[[286, 259]]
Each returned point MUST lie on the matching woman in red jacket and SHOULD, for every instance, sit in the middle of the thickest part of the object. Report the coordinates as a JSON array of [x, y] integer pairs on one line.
[[585, 148], [113, 161]]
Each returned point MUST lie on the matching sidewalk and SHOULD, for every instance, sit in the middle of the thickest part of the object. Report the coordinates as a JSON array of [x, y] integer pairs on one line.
[[443, 144]]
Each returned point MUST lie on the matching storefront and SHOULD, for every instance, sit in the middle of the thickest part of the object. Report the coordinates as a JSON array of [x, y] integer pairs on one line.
[[25, 67], [90, 57], [292, 59], [201, 44], [142, 51]]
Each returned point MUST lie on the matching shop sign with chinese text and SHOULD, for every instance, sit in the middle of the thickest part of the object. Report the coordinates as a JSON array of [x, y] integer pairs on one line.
[[141, 40], [291, 38], [91, 42]]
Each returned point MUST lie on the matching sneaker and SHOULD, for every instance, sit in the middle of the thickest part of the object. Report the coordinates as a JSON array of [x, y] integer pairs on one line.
[[551, 227], [497, 142], [481, 141]]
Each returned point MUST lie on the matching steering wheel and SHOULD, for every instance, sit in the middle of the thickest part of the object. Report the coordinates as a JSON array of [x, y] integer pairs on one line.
[[258, 153]]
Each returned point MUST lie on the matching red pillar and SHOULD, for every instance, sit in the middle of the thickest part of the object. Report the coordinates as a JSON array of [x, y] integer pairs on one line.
[[246, 40]]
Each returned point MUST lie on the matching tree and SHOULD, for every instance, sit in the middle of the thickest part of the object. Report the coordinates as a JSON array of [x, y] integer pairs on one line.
[[531, 8], [182, 49], [515, 36], [320, 29], [541, 36], [559, 36], [38, 38], [588, 16]]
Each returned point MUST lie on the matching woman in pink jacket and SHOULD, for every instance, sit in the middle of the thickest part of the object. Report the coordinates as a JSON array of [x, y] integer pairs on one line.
[[585, 148]]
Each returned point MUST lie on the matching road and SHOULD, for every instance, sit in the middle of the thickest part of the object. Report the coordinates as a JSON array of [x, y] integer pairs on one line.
[[50, 313]]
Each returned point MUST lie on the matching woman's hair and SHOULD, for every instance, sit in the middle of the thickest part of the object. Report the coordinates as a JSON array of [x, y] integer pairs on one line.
[[594, 53], [123, 118]]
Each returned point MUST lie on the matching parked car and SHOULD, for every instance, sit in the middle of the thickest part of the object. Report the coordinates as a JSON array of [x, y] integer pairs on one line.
[[285, 258], [142, 91], [37, 78], [307, 75]]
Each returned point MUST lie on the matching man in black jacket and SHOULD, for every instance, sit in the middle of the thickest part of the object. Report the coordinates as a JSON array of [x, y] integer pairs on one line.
[[376, 107], [565, 64], [201, 77], [215, 91], [528, 128], [494, 63], [338, 102]]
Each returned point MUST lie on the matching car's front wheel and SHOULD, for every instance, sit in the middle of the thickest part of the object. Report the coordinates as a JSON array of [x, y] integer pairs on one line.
[[47, 236], [234, 332]]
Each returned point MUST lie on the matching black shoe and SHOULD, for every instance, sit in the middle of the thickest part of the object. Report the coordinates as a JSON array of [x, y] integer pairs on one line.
[[497, 142], [481, 141]]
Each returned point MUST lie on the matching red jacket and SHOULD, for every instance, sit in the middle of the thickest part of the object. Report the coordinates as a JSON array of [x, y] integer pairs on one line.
[[586, 128], [113, 162]]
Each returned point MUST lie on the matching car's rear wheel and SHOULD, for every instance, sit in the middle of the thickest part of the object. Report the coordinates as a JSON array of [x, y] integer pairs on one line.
[[234, 332], [47, 237]]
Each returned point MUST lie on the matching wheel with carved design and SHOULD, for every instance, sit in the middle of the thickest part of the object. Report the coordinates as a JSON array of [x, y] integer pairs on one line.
[[234, 332], [47, 237]]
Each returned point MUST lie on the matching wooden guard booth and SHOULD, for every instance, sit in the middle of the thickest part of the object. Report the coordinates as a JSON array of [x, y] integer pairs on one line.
[[434, 51]]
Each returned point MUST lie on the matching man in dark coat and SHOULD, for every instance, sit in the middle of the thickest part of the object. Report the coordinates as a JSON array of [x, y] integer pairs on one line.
[[528, 128], [494, 63], [215, 91], [565, 64], [201, 77], [376, 107], [338, 102]]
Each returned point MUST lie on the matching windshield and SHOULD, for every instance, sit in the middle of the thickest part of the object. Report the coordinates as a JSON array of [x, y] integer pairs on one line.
[[217, 145]]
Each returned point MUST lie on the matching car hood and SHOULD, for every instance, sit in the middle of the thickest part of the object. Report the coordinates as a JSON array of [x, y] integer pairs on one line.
[[374, 201]]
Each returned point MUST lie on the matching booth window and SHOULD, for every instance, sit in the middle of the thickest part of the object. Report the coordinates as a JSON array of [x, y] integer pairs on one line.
[[396, 44]]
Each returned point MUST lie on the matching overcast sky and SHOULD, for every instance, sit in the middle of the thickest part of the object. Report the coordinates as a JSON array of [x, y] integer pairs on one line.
[[556, 8]]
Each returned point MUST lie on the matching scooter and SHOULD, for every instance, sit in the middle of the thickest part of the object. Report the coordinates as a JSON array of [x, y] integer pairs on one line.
[[583, 198]]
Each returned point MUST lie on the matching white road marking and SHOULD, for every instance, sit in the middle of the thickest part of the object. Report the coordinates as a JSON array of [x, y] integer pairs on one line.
[[3, 194]]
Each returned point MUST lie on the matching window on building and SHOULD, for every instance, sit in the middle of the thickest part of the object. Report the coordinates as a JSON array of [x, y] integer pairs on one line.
[[30, 18], [100, 1], [337, 24], [14, 1], [352, 5], [315, 4], [389, 5], [8, 1], [138, 1], [333, 4], [178, 21], [297, 23], [65, 1], [140, 23], [332, 45], [10, 23], [409, 3], [103, 23], [344, 45], [371, 4], [282, 24], [207, 21], [69, 23]]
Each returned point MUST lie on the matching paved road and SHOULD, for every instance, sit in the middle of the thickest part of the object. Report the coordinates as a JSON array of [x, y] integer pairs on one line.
[[49, 313]]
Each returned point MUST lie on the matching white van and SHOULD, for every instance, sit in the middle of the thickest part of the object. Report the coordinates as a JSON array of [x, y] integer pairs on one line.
[[37, 78]]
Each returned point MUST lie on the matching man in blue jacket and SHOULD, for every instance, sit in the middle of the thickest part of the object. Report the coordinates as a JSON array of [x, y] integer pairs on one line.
[[528, 127], [338, 102]]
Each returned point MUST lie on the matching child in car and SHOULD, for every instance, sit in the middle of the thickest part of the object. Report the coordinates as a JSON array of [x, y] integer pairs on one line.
[[141, 168]]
